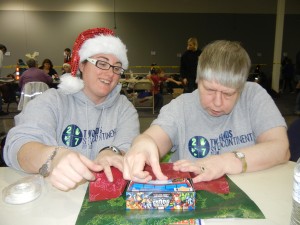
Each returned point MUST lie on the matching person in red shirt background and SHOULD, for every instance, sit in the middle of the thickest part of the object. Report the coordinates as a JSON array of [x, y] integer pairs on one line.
[[67, 55], [157, 76]]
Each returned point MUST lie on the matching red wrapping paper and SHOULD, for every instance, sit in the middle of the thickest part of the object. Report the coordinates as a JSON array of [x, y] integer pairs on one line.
[[102, 189], [218, 186]]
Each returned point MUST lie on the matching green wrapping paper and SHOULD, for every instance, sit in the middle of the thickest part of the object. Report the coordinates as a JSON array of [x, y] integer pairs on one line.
[[235, 204]]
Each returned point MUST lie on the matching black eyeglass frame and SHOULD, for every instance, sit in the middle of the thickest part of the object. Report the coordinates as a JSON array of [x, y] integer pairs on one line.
[[95, 63]]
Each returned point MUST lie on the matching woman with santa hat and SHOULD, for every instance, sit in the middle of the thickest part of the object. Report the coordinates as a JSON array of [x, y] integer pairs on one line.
[[82, 127]]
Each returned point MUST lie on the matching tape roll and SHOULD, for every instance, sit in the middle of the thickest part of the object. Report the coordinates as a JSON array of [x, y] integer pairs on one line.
[[23, 191]]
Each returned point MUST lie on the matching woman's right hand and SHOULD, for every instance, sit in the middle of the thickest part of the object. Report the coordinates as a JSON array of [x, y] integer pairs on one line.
[[143, 151], [70, 168]]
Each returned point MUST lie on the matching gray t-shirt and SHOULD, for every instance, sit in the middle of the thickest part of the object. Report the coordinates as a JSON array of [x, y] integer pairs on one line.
[[196, 134], [75, 122]]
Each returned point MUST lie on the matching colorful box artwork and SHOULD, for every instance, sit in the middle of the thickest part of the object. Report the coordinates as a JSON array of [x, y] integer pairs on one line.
[[172, 194]]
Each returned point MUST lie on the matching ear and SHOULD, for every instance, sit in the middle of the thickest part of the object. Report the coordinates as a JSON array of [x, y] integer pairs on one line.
[[81, 66]]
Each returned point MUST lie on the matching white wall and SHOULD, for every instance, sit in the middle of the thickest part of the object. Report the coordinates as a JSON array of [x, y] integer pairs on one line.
[[49, 32]]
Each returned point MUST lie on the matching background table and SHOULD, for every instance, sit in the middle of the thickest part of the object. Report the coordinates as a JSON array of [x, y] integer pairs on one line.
[[270, 189]]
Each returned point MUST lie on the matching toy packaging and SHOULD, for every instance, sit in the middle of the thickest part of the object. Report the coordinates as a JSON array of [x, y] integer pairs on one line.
[[173, 194]]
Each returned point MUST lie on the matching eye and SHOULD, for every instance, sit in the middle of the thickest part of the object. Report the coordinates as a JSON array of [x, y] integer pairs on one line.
[[118, 69], [102, 64], [229, 94], [210, 90]]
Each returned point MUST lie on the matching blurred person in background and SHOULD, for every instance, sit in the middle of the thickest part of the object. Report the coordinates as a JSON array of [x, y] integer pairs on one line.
[[66, 68], [67, 55], [34, 74], [3, 50], [47, 66], [188, 65]]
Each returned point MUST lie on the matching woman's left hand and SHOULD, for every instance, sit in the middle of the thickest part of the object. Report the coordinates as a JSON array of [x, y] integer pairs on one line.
[[108, 158], [206, 169]]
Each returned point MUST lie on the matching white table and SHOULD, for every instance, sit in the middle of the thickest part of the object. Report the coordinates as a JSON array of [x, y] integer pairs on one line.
[[270, 189]]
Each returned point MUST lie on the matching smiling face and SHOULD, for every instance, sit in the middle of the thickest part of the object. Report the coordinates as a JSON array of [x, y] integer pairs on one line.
[[216, 99], [99, 83]]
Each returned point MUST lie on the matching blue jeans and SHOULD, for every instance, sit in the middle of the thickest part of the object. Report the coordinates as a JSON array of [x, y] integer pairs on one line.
[[158, 101]]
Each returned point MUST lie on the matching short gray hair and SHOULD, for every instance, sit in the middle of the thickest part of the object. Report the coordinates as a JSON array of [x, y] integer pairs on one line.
[[225, 62], [31, 62]]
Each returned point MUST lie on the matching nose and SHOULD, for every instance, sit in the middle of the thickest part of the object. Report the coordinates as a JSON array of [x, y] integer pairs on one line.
[[217, 100]]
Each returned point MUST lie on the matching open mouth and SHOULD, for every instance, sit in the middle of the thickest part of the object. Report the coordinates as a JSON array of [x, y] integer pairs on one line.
[[105, 81]]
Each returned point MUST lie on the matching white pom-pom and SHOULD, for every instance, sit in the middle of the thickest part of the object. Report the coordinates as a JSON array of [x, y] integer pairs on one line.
[[69, 84]]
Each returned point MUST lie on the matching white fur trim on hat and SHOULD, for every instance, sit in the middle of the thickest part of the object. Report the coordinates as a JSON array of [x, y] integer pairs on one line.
[[105, 44], [69, 84]]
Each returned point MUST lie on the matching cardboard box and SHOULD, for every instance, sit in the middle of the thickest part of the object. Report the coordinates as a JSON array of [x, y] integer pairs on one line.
[[173, 194]]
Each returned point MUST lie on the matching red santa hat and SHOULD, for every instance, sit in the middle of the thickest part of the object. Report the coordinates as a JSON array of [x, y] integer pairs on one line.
[[88, 43]]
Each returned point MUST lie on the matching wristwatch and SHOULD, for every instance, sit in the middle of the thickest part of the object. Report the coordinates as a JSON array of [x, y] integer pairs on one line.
[[46, 167], [241, 156], [112, 148]]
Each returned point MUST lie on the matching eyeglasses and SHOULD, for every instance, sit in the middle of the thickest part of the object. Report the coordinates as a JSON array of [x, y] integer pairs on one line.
[[106, 66]]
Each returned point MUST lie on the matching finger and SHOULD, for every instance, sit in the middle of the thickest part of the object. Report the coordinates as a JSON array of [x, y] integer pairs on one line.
[[60, 186], [195, 169], [108, 173], [126, 174], [118, 163], [142, 180], [134, 168], [63, 184], [199, 178], [157, 171], [126, 170], [84, 167], [141, 175], [205, 176], [60, 173], [90, 164], [135, 174], [180, 162], [182, 165]]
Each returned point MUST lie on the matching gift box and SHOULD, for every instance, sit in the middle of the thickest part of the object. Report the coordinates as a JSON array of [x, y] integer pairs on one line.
[[102, 189], [172, 194]]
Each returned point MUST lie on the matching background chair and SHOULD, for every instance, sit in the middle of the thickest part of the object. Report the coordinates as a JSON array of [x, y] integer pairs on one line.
[[30, 91], [145, 95], [294, 139], [177, 92]]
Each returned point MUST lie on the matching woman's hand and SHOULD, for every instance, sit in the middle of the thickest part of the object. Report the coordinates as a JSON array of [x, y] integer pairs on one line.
[[144, 151], [108, 158], [70, 169], [206, 169]]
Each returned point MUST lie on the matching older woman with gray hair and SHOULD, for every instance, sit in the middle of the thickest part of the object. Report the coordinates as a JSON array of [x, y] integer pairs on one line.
[[226, 126]]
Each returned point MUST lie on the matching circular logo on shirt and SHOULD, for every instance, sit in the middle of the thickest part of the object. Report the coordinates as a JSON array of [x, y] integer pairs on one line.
[[72, 136], [199, 146]]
